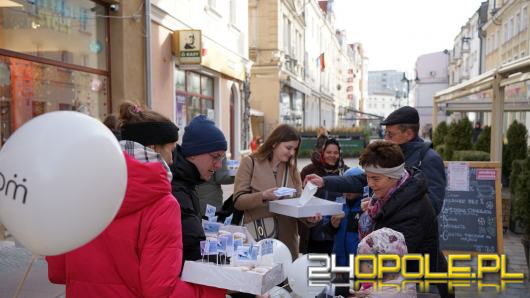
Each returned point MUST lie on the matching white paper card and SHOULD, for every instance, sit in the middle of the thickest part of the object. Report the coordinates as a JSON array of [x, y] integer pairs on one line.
[[210, 211], [458, 176], [309, 190]]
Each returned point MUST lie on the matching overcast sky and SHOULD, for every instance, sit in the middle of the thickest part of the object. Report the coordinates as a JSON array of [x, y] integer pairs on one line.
[[395, 32]]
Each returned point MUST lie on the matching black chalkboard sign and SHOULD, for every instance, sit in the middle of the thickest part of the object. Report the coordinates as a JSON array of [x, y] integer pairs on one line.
[[470, 221]]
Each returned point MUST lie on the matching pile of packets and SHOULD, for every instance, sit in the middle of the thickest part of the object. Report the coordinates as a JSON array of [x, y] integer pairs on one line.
[[232, 260], [241, 249]]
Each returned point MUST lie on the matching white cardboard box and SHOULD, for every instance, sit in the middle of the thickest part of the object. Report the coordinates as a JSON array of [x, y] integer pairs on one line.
[[231, 278], [291, 207]]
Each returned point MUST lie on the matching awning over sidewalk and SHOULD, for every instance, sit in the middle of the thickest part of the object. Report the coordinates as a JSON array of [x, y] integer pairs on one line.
[[493, 82]]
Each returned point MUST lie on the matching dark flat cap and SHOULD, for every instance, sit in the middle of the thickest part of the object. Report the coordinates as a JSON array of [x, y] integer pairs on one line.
[[403, 115]]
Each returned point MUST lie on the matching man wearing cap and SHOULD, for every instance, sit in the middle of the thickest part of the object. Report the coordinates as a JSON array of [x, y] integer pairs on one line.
[[401, 127], [194, 162]]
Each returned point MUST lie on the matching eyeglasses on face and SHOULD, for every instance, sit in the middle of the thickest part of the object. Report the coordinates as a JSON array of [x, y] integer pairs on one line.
[[217, 157]]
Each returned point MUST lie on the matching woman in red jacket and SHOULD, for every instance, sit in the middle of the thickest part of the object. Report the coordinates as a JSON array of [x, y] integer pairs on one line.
[[140, 253]]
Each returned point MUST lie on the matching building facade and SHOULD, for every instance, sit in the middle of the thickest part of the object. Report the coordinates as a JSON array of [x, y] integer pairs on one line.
[[386, 92], [276, 47], [199, 64], [467, 56], [55, 55], [431, 77]]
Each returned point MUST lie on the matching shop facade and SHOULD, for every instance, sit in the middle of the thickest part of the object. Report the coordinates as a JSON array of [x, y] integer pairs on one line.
[[54, 55], [200, 63]]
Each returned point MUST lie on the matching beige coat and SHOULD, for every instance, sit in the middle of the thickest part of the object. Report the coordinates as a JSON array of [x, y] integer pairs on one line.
[[251, 182]]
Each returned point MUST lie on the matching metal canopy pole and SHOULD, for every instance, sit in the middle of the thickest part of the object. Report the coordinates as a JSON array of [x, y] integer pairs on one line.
[[497, 119], [434, 115]]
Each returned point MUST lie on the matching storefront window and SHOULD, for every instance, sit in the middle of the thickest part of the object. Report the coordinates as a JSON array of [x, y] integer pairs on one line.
[[291, 107], [28, 89], [194, 107], [194, 96], [194, 83], [206, 86], [71, 32], [180, 80]]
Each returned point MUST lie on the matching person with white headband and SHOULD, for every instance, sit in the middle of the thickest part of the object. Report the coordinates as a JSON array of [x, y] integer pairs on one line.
[[400, 202]]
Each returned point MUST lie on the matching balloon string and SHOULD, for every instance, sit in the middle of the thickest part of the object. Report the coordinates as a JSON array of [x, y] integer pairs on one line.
[[21, 285]]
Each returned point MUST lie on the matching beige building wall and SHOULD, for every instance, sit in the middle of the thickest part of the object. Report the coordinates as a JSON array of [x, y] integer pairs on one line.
[[267, 51], [127, 55], [162, 67], [265, 90], [507, 33], [224, 28]]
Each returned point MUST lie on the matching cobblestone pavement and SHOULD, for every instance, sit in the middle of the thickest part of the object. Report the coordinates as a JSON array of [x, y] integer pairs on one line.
[[13, 263]]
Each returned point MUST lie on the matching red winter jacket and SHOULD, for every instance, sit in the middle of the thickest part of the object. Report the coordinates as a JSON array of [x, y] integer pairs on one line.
[[140, 252]]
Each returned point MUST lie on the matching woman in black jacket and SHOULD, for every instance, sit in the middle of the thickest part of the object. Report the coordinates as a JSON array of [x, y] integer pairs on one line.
[[400, 202], [326, 161]]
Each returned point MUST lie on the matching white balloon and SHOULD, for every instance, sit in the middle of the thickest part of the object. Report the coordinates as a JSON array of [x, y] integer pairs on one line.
[[297, 277], [62, 181], [279, 292], [280, 255]]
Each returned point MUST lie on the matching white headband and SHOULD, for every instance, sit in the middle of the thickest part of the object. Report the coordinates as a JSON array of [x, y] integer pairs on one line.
[[394, 172]]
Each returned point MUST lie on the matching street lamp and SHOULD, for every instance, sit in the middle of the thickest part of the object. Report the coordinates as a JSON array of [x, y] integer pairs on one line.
[[397, 96], [408, 82]]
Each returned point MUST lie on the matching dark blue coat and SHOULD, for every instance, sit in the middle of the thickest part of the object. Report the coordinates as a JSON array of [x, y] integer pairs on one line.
[[319, 232], [419, 154], [347, 236]]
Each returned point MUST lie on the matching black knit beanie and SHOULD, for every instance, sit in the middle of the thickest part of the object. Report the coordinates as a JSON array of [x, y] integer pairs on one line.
[[150, 133]]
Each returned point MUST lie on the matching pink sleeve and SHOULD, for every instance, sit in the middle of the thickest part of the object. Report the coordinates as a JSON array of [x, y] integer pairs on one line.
[[57, 269]]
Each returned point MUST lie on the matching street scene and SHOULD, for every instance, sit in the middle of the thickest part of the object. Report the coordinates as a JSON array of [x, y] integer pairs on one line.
[[264, 148]]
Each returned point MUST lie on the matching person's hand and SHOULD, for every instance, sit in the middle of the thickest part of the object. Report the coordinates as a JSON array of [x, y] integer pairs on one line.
[[314, 219], [268, 195], [364, 204], [336, 219], [315, 179]]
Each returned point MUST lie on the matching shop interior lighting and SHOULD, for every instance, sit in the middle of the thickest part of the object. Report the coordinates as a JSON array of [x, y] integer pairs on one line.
[[9, 3]]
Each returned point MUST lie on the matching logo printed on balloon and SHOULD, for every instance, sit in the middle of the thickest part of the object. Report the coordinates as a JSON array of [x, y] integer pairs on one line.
[[6, 186]]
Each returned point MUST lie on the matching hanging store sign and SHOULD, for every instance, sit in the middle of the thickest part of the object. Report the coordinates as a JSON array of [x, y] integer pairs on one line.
[[187, 45]]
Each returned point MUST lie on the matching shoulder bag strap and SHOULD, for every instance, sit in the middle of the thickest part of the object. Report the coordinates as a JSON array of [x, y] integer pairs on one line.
[[286, 175]]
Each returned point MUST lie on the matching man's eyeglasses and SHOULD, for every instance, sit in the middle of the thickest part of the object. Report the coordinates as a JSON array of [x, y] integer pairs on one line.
[[390, 134], [217, 158]]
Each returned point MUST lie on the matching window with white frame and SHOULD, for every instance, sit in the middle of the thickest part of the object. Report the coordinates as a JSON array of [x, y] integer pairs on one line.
[[517, 23], [505, 31], [510, 29], [289, 39], [497, 42], [524, 18], [233, 12], [285, 33]]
